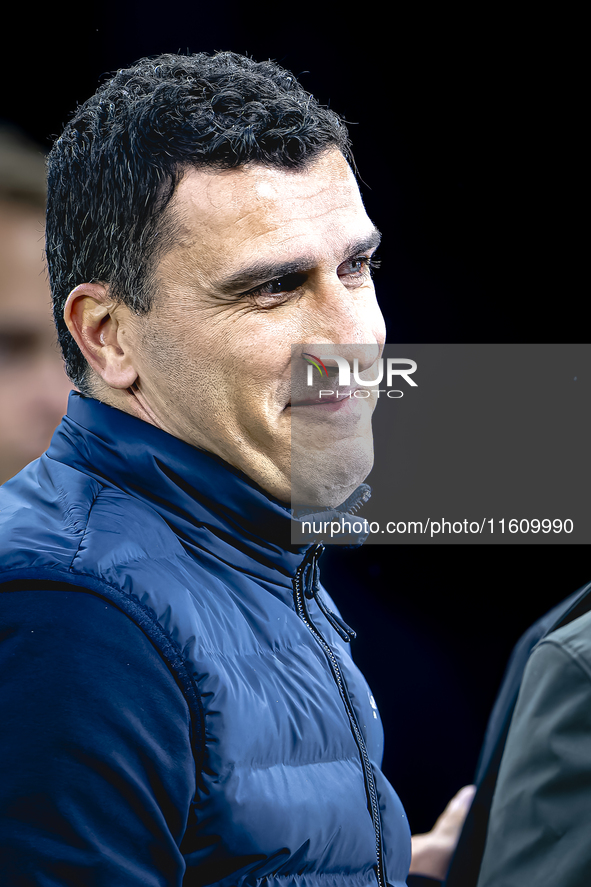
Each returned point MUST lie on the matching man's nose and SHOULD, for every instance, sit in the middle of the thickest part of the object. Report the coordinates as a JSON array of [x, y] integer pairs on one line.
[[350, 325]]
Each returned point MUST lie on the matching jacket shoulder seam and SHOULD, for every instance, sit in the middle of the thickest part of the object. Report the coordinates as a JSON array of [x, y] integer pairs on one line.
[[571, 656]]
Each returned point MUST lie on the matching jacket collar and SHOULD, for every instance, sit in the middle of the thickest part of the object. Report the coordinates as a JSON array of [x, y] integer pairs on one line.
[[209, 505]]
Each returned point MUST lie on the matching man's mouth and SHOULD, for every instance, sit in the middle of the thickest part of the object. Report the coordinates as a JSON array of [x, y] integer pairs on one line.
[[332, 399]]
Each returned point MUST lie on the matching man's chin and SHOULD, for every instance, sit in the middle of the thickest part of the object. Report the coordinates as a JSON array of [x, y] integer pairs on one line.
[[327, 479], [330, 458]]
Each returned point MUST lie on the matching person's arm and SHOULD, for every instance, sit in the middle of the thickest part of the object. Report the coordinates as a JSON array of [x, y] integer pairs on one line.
[[96, 769], [540, 816]]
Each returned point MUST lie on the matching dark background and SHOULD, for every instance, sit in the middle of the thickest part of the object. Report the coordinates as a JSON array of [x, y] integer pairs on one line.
[[468, 134]]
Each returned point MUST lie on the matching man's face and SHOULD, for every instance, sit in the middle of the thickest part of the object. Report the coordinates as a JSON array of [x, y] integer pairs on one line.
[[33, 385], [266, 258]]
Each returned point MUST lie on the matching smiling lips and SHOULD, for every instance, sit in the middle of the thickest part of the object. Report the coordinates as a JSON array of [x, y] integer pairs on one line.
[[331, 402]]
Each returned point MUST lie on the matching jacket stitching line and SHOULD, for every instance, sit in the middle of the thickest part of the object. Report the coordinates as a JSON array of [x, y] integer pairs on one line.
[[85, 531]]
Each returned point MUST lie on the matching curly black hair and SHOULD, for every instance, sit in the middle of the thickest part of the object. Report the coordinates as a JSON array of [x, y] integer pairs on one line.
[[113, 171]]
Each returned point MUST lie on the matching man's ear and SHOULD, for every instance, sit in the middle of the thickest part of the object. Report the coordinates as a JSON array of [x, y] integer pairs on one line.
[[98, 324]]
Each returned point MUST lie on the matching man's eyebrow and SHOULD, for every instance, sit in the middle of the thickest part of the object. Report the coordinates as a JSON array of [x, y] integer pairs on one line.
[[262, 272]]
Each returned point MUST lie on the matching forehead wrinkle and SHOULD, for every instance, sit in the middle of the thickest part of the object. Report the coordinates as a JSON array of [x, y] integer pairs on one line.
[[261, 207], [276, 235]]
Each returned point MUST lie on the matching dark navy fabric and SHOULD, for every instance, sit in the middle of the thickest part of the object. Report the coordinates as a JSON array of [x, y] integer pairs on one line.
[[96, 765], [195, 561]]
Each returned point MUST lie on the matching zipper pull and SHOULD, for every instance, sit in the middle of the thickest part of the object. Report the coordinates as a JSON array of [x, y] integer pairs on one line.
[[340, 626], [312, 590], [312, 571]]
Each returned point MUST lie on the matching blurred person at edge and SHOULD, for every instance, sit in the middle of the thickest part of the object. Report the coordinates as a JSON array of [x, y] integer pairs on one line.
[[33, 385]]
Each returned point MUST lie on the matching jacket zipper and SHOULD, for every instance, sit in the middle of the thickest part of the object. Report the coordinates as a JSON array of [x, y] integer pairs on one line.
[[311, 561]]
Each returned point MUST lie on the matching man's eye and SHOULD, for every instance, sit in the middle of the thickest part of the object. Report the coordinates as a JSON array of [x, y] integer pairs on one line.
[[266, 294], [358, 269]]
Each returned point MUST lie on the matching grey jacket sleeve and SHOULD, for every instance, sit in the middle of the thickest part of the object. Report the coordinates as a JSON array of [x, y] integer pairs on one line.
[[540, 824]]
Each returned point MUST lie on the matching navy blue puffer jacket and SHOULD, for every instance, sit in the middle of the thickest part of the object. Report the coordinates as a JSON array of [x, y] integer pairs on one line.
[[283, 733]]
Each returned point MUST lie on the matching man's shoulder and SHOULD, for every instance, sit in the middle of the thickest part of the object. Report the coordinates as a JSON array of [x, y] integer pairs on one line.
[[64, 531], [44, 513], [55, 516]]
